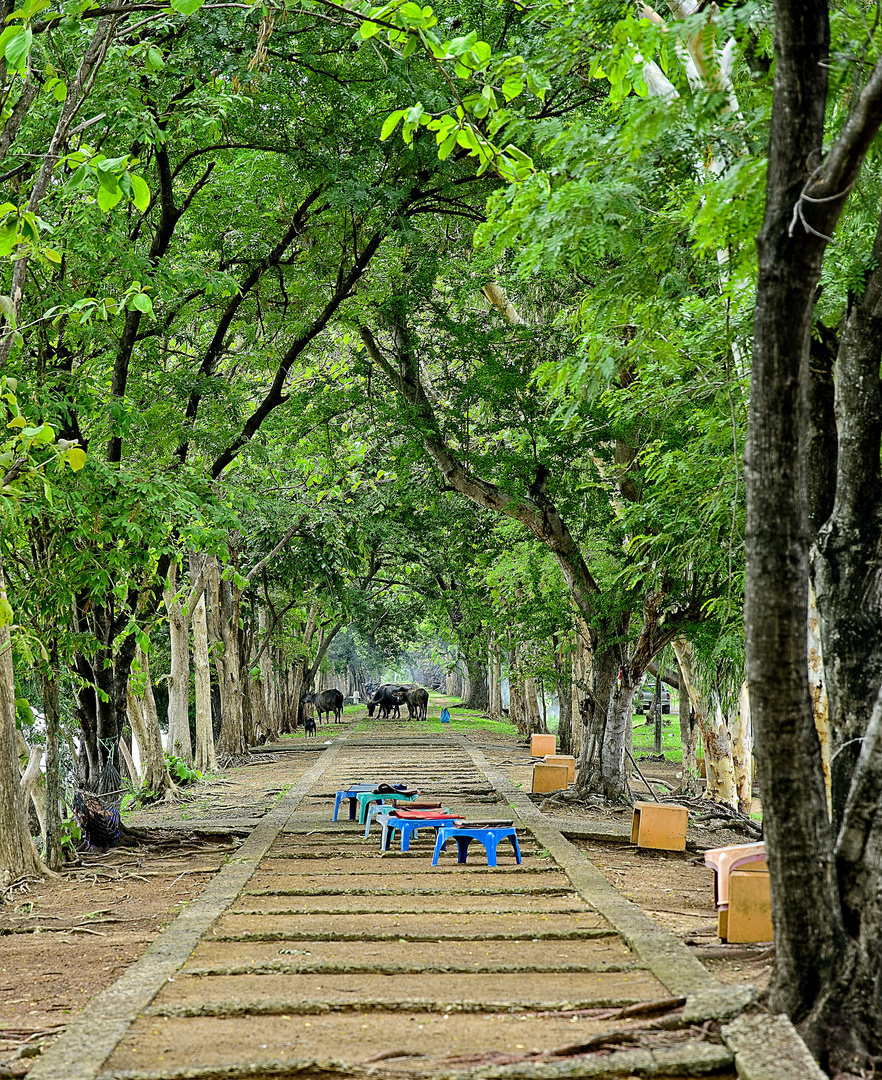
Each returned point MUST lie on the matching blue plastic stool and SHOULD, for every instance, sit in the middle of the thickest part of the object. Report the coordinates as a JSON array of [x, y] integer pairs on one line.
[[365, 798], [490, 838], [407, 826]]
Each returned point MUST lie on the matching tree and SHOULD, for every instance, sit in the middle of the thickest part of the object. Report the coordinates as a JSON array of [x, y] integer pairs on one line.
[[825, 875]]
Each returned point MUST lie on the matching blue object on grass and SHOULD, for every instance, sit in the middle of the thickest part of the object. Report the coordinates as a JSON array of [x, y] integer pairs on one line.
[[445, 716]]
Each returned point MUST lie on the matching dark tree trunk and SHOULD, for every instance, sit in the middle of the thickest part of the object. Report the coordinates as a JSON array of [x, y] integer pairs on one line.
[[601, 686], [847, 559], [826, 980], [479, 690]]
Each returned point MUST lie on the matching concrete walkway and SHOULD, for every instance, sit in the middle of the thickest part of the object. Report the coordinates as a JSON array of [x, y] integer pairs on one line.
[[313, 954]]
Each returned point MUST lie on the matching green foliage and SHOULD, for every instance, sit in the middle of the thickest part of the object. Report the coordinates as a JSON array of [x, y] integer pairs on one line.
[[71, 835], [180, 771]]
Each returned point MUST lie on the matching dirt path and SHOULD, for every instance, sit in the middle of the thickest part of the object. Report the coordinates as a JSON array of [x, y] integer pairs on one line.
[[311, 953]]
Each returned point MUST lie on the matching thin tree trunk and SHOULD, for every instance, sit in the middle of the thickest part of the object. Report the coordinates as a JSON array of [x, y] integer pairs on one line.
[[563, 667], [717, 746], [156, 781], [179, 744], [126, 752], [270, 712], [32, 788], [689, 730], [54, 854], [531, 705], [742, 750], [495, 666], [18, 856], [206, 759], [231, 747]]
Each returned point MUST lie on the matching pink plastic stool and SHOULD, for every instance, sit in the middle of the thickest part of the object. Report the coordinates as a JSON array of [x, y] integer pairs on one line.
[[726, 859]]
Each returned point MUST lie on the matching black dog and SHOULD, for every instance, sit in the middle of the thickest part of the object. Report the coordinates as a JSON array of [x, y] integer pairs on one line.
[[309, 727]]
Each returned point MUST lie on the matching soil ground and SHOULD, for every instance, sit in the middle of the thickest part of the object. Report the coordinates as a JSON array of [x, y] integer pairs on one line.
[[65, 940]]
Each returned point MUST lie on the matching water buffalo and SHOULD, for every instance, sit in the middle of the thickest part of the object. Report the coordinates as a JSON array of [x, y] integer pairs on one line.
[[416, 698], [328, 701], [386, 700]]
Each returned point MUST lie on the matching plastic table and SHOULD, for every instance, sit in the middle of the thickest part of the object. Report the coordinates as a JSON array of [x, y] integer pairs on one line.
[[490, 838], [350, 793], [407, 827]]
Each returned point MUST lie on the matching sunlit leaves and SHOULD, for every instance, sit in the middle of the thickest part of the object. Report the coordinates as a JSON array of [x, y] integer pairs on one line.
[[115, 179]]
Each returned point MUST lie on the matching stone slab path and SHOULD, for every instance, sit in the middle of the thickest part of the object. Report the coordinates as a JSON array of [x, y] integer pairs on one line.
[[314, 954]]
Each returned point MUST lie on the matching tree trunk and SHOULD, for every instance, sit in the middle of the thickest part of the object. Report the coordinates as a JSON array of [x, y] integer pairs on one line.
[[18, 856], [206, 759], [517, 712], [126, 752], [495, 665], [297, 691], [33, 790], [54, 854], [156, 782], [270, 711], [825, 982], [717, 745], [231, 747], [531, 707], [742, 752], [563, 666], [452, 687], [595, 708], [689, 730], [179, 744]]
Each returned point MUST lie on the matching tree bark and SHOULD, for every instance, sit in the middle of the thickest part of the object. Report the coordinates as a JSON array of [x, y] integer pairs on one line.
[[534, 722], [206, 759], [820, 978], [742, 749], [689, 730], [495, 666], [179, 744], [156, 782], [267, 686], [231, 747], [712, 724], [18, 856], [563, 666], [33, 790], [53, 852], [478, 697]]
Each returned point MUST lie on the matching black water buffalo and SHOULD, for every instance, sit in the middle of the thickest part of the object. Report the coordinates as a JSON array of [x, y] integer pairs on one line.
[[386, 700], [328, 701], [416, 698]]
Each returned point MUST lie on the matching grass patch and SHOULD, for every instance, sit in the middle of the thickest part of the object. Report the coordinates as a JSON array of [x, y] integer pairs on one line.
[[644, 737]]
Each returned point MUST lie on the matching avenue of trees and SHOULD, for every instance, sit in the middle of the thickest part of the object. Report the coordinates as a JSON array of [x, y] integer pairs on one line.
[[538, 341]]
